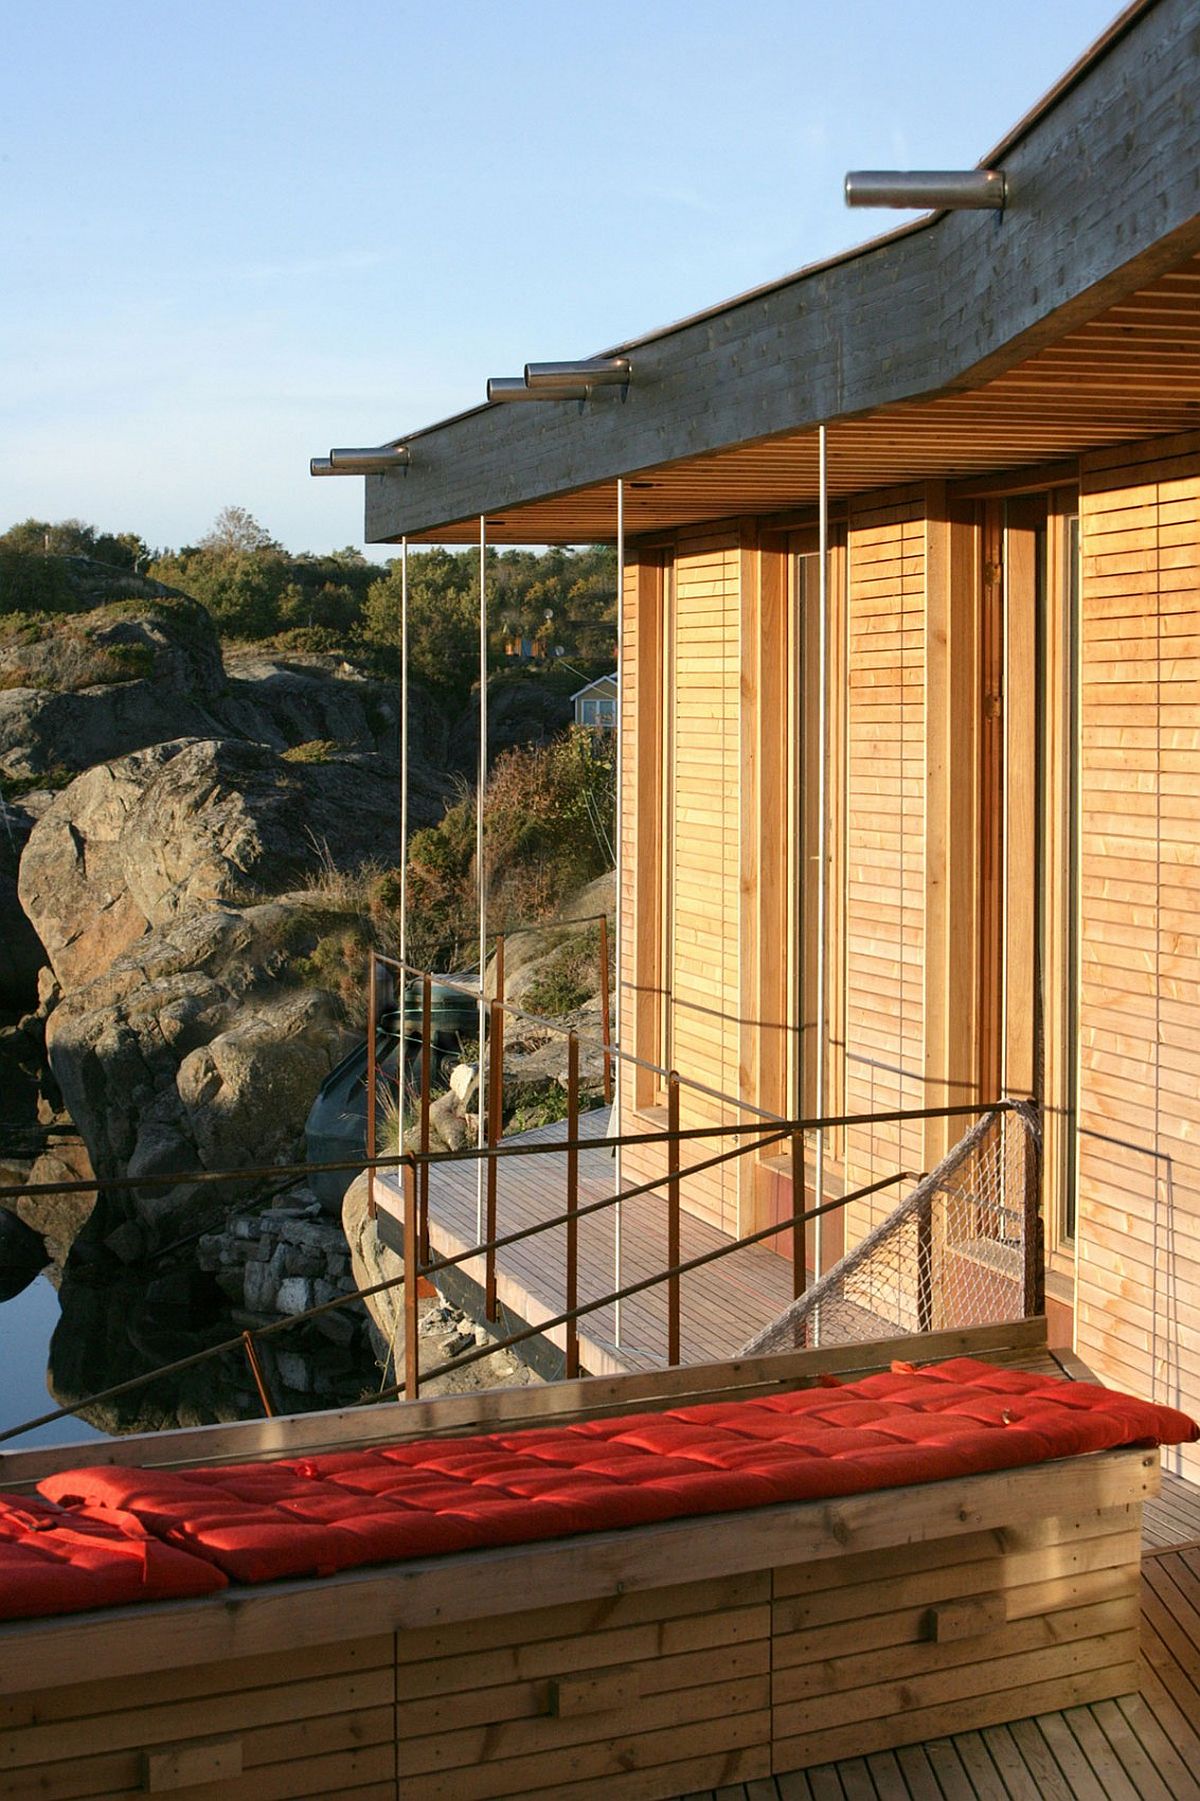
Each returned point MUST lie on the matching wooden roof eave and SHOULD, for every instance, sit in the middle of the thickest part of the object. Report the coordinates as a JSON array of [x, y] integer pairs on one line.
[[1103, 200]]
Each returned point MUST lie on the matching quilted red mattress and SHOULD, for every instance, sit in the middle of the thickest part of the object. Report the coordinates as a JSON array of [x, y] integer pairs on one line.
[[312, 1516], [55, 1560]]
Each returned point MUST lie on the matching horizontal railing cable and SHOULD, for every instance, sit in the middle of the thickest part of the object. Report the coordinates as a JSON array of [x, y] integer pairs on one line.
[[469, 1153], [361, 1294], [787, 1224], [760, 1138]]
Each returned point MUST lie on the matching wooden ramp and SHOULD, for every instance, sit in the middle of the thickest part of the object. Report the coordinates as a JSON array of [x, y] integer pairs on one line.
[[721, 1305]]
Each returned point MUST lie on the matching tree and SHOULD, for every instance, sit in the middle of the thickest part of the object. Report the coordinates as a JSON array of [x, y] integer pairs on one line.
[[235, 532], [74, 538], [443, 619]]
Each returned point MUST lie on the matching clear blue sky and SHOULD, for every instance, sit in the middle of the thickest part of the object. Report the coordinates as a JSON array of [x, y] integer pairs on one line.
[[238, 231]]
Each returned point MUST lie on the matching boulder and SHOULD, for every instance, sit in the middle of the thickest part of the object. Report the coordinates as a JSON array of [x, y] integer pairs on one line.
[[371, 1263], [523, 708], [140, 841], [23, 1254], [73, 883], [57, 1219], [305, 699], [192, 1051], [95, 685], [530, 954], [226, 818], [146, 667]]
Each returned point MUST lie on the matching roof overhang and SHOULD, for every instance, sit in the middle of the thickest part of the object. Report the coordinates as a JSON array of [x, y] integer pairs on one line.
[[969, 341]]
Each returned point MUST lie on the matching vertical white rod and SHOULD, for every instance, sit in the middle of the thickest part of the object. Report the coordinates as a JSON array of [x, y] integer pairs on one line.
[[481, 784], [403, 773], [822, 830], [619, 910]]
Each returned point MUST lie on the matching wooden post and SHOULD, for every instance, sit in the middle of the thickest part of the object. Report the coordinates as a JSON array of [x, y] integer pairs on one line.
[[799, 1251], [673, 1219], [495, 1130], [500, 967], [412, 1373], [572, 1286], [251, 1350], [426, 1086], [605, 1017], [372, 1076]]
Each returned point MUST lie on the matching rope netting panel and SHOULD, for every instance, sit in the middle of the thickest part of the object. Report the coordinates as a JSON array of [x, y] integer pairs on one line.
[[952, 1253]]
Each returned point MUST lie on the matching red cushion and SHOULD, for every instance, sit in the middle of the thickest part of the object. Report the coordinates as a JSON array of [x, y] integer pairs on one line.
[[314, 1515], [54, 1561]]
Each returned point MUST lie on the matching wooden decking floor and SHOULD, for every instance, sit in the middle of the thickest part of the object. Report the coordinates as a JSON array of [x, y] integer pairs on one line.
[[721, 1305]]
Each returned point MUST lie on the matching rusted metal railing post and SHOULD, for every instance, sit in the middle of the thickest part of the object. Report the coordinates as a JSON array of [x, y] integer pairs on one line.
[[673, 1219], [372, 1075], [426, 1087], [251, 1350], [925, 1267], [1033, 1230], [572, 1285], [799, 1249], [495, 1130], [412, 1372], [605, 1019]]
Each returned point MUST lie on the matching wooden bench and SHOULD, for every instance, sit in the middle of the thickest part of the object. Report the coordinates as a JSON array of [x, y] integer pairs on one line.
[[640, 1663]]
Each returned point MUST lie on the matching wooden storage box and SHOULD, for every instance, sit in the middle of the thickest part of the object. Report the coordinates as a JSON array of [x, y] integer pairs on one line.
[[642, 1663]]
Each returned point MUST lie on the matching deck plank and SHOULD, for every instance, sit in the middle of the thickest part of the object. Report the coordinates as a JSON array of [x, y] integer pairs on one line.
[[1146, 1783], [948, 1767], [1165, 1756], [1064, 1747], [721, 1305], [977, 1761]]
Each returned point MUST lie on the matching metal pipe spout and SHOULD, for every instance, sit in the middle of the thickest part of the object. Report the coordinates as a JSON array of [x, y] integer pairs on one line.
[[935, 190], [371, 461], [512, 387], [595, 371]]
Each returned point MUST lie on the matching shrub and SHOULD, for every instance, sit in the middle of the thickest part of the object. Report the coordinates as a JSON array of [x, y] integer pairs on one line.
[[567, 977], [314, 750], [548, 815], [33, 584]]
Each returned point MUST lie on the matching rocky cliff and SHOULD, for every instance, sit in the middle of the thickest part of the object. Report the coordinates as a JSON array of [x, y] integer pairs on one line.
[[180, 833]]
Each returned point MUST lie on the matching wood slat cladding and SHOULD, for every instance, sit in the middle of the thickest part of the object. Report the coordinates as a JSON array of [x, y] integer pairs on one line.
[[314, 1720], [703, 767], [1139, 1077], [907, 1644], [639, 1695], [1132, 372], [884, 898]]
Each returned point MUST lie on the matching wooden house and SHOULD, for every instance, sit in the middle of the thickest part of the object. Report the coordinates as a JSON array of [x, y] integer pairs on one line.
[[595, 705], [999, 676]]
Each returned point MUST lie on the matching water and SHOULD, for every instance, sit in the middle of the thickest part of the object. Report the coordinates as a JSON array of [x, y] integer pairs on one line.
[[26, 1325]]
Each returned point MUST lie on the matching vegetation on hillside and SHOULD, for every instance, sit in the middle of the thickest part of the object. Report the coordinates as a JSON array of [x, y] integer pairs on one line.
[[549, 807], [259, 592], [548, 823]]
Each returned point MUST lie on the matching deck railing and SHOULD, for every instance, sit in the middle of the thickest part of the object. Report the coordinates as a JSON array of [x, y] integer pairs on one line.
[[416, 1267], [765, 1131]]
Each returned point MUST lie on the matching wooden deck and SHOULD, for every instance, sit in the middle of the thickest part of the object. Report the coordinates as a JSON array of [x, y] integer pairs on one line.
[[721, 1306]]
